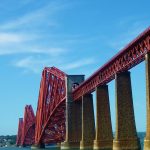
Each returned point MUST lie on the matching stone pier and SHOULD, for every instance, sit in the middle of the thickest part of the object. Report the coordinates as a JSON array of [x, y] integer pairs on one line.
[[104, 137], [126, 135], [39, 146], [73, 115], [88, 124], [147, 137]]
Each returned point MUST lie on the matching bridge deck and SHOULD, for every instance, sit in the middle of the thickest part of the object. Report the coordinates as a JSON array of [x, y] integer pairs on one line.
[[128, 57]]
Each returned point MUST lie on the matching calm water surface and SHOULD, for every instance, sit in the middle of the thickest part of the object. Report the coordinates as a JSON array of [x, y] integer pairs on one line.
[[141, 135]]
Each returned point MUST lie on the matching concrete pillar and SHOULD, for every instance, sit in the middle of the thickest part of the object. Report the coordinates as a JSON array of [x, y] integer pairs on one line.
[[73, 115], [88, 125], [147, 137], [104, 136], [126, 135]]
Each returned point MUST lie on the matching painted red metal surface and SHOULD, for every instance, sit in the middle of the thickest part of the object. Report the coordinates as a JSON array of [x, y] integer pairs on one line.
[[28, 129], [50, 115], [131, 55], [19, 135]]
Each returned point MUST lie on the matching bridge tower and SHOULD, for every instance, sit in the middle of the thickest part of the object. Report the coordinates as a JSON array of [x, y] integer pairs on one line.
[[28, 128], [19, 135], [73, 114], [50, 114]]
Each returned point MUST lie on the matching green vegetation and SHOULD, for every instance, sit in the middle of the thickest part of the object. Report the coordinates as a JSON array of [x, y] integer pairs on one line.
[[8, 140]]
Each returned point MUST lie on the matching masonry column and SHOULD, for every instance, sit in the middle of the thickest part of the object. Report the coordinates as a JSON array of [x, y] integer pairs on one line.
[[73, 114], [147, 138], [39, 146], [126, 135], [104, 136], [88, 125]]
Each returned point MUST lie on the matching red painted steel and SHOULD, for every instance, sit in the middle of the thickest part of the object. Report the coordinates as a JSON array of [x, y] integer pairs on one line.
[[28, 129], [50, 115], [131, 55], [19, 135]]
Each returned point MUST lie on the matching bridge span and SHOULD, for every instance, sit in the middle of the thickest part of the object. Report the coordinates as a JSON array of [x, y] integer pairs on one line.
[[26, 128], [65, 113]]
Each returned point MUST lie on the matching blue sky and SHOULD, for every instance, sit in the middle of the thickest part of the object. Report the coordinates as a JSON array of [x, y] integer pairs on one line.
[[76, 36]]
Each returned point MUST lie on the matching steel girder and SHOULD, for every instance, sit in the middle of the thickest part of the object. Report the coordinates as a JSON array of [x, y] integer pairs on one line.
[[50, 115], [131, 55], [28, 130]]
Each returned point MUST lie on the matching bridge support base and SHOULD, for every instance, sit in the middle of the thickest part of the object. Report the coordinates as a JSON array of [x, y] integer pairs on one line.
[[21, 146], [147, 138], [70, 145], [73, 114], [104, 136], [126, 135], [102, 145], [88, 125], [39, 146], [146, 144], [130, 144], [74, 128], [86, 145]]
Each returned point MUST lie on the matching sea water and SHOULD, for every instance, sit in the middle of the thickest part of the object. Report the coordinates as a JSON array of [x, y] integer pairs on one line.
[[141, 135]]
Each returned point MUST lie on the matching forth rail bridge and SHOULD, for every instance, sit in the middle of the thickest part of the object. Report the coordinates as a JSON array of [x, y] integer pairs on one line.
[[65, 113]]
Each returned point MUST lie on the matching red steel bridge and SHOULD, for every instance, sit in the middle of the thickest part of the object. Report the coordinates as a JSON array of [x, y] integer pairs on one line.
[[52, 123], [26, 128]]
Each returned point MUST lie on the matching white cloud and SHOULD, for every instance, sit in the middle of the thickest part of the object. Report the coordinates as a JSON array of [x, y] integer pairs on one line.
[[18, 43], [78, 63], [19, 49], [39, 17], [29, 64], [8, 37], [131, 33], [21, 36], [28, 34], [36, 64]]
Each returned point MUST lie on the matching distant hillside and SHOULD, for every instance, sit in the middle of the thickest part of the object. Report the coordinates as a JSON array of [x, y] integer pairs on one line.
[[7, 140]]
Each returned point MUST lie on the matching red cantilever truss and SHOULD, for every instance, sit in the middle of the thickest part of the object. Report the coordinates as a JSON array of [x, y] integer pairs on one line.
[[50, 115], [28, 130], [131, 55], [19, 135]]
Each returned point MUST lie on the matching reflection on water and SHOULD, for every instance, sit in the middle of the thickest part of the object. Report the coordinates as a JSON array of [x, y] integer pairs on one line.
[[141, 135]]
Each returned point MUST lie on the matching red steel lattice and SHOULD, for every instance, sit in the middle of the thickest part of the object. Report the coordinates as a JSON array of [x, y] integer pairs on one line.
[[131, 55], [19, 135], [28, 129], [50, 115]]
